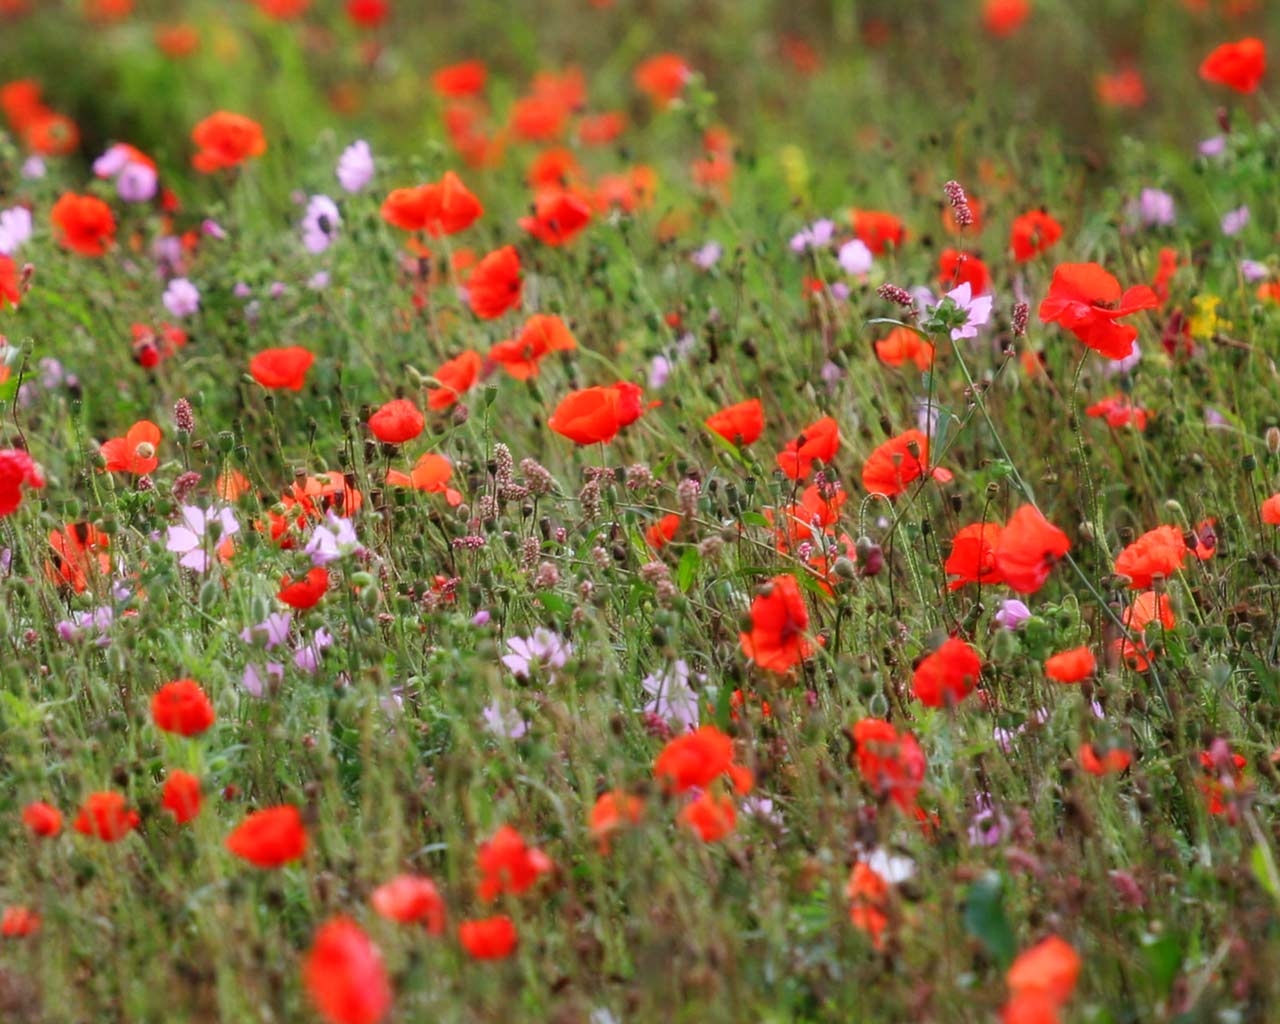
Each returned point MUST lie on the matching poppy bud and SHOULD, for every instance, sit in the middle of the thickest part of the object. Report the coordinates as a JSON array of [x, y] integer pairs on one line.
[[870, 556], [1273, 439], [1249, 463]]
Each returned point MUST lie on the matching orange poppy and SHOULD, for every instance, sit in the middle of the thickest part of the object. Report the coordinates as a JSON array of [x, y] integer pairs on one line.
[[902, 345], [411, 899], [177, 41], [396, 422], [779, 621], [282, 368], [85, 224], [595, 415], [612, 812], [226, 140], [662, 78], [495, 285], [973, 556], [1147, 608], [1087, 301], [819, 441], [181, 796], [553, 169], [507, 865], [538, 118], [442, 208], [135, 452], [1028, 549], [1071, 666], [1107, 762], [711, 815], [182, 707], [344, 975], [456, 376], [1050, 967], [558, 217], [661, 533], [896, 463], [541, 335], [1032, 233], [739, 424], [431, 474], [1239, 65], [1158, 552], [78, 556], [946, 676], [489, 938], [270, 838], [51, 134], [106, 816]]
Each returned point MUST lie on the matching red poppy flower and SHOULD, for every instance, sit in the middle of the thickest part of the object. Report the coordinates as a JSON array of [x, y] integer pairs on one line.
[[51, 134], [490, 938], [10, 291], [1239, 66], [633, 190], [282, 10], [1206, 536], [1050, 967], [1271, 510], [711, 815], [541, 335], [601, 129], [1108, 762], [1158, 552], [1123, 89], [42, 819], [1028, 549], [553, 169], [973, 556], [1222, 778], [181, 796], [431, 474], [739, 424], [17, 470], [226, 140], [1032, 234], [19, 922], [182, 707], [1119, 411], [495, 285], [819, 441], [694, 759], [946, 676], [896, 463], [878, 230], [1087, 301], [368, 14], [507, 865], [662, 78], [78, 555], [106, 816], [411, 899], [1002, 18], [270, 838], [558, 217], [397, 422], [595, 415], [903, 345], [779, 621], [344, 975], [443, 208], [1071, 666], [306, 592], [612, 812], [282, 368], [85, 224], [135, 452], [538, 118], [868, 894], [456, 377], [891, 763], [956, 268], [661, 533], [464, 79]]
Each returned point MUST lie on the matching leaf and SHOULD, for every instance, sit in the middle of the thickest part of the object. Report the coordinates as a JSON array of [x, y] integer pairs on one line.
[[754, 519], [985, 920], [1264, 870], [1164, 958], [687, 568]]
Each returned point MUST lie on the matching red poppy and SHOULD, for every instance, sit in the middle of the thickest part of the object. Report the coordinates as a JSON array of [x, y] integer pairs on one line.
[[662, 78], [182, 707], [903, 345], [601, 129], [711, 815], [443, 208], [495, 285], [1050, 967], [1147, 608], [538, 118], [956, 268], [85, 224], [226, 140], [779, 620], [17, 470], [558, 217], [431, 474], [19, 922], [181, 796], [1239, 66], [739, 424], [345, 976], [541, 335], [507, 865], [1106, 762], [42, 819], [1071, 666], [1123, 89], [490, 938], [973, 556], [135, 452], [1271, 510], [1206, 537], [411, 899], [1002, 18], [78, 555], [1087, 301], [51, 134], [1032, 233], [946, 676], [891, 763], [106, 816], [661, 533], [177, 41], [10, 290], [1028, 549], [270, 838], [694, 759], [1222, 778], [819, 441], [612, 812], [464, 79], [1119, 411], [553, 169], [868, 894], [1159, 552], [896, 463], [878, 230], [306, 592], [397, 422], [595, 415], [368, 14], [629, 191], [456, 376], [282, 368]]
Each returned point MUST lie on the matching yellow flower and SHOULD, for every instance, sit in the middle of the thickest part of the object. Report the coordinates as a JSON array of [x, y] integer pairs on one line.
[[1204, 321]]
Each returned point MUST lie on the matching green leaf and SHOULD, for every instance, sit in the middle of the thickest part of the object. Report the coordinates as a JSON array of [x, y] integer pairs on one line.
[[1164, 958], [1264, 870], [985, 920], [687, 568]]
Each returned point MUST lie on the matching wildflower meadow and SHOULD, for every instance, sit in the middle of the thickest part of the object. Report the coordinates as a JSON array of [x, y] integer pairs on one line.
[[622, 511]]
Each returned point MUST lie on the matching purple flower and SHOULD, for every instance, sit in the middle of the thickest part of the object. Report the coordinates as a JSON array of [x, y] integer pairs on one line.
[[855, 258], [355, 167], [1215, 145], [213, 229], [1253, 271], [1012, 614], [318, 281], [817, 235], [34, 168], [137, 183], [274, 629], [708, 256], [241, 290], [674, 700], [501, 722], [1153, 208], [1235, 221], [659, 371], [81, 624], [480, 618], [307, 657], [187, 540], [258, 681], [987, 827], [276, 290], [15, 229], [978, 311], [331, 540], [181, 298], [320, 224], [544, 648]]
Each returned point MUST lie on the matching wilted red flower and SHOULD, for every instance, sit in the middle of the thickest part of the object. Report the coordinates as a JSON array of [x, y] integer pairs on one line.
[[17, 470], [541, 335], [739, 424], [558, 216], [42, 819], [181, 796], [135, 452], [711, 815], [819, 441], [612, 812], [890, 762], [457, 80], [1033, 233], [1158, 552], [345, 976], [878, 230], [1028, 549], [1071, 666], [779, 621], [902, 345], [595, 415], [694, 759], [662, 78], [397, 422], [490, 938], [19, 922], [946, 676], [306, 592], [106, 816], [270, 838], [431, 474], [226, 140], [507, 865], [1239, 66], [283, 368], [85, 224], [495, 284], [182, 707], [973, 555], [411, 899], [1087, 301]]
